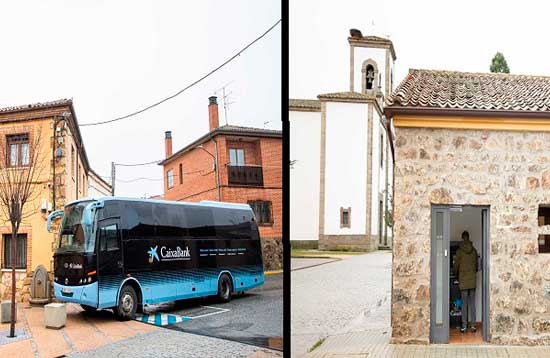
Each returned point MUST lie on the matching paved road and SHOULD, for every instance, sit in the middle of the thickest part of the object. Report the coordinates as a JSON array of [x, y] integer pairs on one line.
[[243, 327], [340, 297], [254, 318], [299, 263], [169, 343]]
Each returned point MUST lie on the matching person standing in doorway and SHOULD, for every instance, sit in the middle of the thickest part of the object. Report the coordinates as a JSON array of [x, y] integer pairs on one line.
[[465, 266]]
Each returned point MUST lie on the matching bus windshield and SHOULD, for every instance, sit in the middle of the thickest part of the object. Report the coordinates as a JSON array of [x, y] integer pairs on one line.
[[75, 234]]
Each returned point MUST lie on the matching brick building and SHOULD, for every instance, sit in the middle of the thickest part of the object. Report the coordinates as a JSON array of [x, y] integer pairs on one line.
[[232, 164]]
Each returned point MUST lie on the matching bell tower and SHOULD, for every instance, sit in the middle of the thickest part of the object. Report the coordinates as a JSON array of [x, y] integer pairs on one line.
[[372, 60]]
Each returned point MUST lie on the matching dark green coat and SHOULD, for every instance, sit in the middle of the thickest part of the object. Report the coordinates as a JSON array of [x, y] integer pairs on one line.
[[465, 265]]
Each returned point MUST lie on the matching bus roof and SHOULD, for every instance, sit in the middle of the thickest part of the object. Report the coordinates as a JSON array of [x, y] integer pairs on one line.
[[207, 203]]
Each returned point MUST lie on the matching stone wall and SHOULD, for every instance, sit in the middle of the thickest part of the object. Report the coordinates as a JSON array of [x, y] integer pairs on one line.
[[508, 171], [348, 242], [272, 253], [22, 286]]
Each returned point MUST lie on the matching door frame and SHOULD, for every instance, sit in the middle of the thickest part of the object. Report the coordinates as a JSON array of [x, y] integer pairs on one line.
[[443, 335]]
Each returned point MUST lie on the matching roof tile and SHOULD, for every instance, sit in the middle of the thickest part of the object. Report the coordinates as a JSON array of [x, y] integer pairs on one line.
[[467, 90]]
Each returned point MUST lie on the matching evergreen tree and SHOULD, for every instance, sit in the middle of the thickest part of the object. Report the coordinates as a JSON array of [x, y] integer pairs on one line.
[[498, 64]]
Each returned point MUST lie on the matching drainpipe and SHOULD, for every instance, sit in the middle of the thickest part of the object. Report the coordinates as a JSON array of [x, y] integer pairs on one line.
[[217, 169]]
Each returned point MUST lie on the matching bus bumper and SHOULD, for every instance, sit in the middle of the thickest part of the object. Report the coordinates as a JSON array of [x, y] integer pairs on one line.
[[85, 294]]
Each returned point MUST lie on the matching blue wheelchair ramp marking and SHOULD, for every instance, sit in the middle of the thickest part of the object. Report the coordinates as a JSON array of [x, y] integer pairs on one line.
[[162, 319]]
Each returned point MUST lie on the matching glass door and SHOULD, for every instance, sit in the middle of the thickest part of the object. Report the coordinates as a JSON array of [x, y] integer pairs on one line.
[[439, 303]]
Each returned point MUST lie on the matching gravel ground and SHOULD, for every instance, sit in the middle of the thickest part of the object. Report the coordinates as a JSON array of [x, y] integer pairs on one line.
[[340, 297], [168, 343]]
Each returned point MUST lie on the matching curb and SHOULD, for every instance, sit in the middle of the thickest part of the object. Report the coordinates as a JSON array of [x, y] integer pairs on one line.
[[275, 272], [316, 257]]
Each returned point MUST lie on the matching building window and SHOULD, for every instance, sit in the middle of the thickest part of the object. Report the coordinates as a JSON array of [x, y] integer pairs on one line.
[[20, 258], [18, 149], [236, 157], [370, 77], [262, 211], [544, 219], [170, 178], [181, 173], [544, 244], [345, 217]]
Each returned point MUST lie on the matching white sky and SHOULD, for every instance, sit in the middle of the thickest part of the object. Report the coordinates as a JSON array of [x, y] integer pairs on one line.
[[457, 35], [115, 57]]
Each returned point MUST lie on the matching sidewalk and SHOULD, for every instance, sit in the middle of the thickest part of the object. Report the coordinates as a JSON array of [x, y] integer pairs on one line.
[[375, 343], [101, 335], [81, 333]]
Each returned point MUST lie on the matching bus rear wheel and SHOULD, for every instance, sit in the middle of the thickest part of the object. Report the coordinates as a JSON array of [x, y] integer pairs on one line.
[[127, 304], [225, 288]]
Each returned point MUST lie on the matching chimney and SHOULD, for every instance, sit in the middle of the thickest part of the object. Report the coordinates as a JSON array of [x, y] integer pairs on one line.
[[168, 143], [213, 119]]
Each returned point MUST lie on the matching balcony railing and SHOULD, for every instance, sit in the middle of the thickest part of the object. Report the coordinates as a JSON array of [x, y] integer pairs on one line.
[[245, 175]]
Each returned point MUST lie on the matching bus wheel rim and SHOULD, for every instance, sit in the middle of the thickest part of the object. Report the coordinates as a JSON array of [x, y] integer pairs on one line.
[[127, 303], [225, 289]]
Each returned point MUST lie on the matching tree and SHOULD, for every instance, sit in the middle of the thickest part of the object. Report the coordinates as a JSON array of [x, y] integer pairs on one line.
[[498, 64], [20, 184]]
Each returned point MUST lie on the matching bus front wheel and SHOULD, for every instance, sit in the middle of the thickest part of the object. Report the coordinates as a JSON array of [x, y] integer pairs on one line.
[[225, 288], [127, 304], [88, 309]]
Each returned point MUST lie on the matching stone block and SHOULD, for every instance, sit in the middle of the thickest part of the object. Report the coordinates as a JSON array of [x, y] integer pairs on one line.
[[5, 308], [55, 315]]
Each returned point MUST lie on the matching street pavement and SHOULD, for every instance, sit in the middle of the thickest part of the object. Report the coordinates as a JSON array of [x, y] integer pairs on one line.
[[339, 297], [299, 263], [254, 318], [247, 324], [170, 343]]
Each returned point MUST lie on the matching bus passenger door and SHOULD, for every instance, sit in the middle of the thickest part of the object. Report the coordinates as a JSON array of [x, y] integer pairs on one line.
[[110, 268]]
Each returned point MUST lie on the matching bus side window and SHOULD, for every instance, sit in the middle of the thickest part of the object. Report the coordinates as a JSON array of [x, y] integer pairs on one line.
[[109, 237]]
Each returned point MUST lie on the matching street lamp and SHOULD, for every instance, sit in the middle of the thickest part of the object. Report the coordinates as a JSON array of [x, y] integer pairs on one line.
[[215, 157]]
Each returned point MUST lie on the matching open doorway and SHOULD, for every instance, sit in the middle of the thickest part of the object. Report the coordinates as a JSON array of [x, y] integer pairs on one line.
[[447, 301]]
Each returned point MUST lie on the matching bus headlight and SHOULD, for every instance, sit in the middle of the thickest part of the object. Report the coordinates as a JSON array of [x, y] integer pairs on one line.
[[89, 279], [80, 281]]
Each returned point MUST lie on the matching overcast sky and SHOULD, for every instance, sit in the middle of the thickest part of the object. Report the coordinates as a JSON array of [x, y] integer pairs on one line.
[[457, 35], [115, 57]]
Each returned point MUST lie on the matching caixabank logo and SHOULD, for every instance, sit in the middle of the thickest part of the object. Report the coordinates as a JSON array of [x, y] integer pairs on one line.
[[167, 254]]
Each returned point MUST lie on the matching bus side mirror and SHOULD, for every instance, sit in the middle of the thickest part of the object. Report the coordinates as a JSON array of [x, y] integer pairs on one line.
[[52, 216]]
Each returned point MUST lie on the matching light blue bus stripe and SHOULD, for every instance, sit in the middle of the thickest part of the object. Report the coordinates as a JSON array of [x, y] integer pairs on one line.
[[158, 319], [171, 319]]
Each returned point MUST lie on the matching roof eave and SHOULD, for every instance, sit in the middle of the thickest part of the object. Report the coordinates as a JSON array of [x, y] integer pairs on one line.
[[390, 111], [218, 131]]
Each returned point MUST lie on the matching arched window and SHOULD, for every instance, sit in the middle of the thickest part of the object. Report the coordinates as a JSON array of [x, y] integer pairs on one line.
[[370, 76]]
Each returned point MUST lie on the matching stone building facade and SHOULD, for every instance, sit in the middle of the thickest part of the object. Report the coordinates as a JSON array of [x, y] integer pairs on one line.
[[232, 164], [473, 139]]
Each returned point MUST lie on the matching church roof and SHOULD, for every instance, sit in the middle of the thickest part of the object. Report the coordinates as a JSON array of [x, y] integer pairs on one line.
[[345, 95], [304, 104], [469, 91]]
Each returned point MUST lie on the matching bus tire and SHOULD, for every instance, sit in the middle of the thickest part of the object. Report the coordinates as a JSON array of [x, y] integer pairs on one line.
[[225, 288], [127, 304], [88, 309]]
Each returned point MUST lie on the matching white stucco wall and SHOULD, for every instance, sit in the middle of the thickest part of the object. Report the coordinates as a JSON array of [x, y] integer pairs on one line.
[[305, 147], [346, 166], [375, 172], [361, 54]]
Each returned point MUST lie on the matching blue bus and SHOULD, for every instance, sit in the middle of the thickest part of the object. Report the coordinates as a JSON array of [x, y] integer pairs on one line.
[[123, 254]]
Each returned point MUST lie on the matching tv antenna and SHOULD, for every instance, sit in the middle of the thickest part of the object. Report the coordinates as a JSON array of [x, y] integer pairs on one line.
[[225, 97]]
